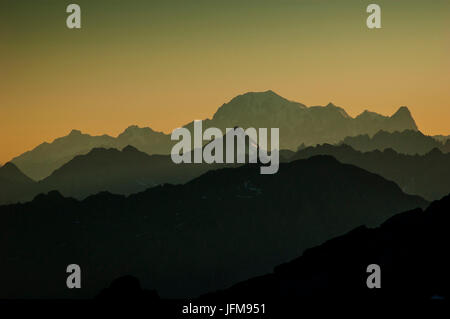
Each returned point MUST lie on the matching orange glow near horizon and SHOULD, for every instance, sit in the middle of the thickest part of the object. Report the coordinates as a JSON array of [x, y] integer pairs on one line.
[[167, 67]]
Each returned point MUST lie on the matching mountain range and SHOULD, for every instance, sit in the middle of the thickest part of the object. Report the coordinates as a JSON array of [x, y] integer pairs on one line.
[[405, 142], [425, 175], [409, 249], [298, 125], [223, 227], [47, 157], [120, 172], [131, 171], [123, 172], [413, 269], [301, 124]]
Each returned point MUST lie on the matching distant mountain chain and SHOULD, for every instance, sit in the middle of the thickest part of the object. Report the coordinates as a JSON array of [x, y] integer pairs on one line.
[[223, 227], [47, 157], [119, 205], [105, 169], [298, 125], [406, 142], [130, 171], [425, 175]]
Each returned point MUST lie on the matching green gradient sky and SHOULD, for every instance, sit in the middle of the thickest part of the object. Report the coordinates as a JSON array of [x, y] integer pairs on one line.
[[164, 63]]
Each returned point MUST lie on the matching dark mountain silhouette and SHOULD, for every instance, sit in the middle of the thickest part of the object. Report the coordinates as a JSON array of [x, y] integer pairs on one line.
[[120, 172], [128, 288], [223, 227], [10, 173], [14, 185], [47, 157], [424, 175], [409, 248], [406, 142], [332, 276], [297, 123]]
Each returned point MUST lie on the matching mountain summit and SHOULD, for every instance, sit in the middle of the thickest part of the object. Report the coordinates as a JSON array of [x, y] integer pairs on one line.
[[403, 118], [298, 125]]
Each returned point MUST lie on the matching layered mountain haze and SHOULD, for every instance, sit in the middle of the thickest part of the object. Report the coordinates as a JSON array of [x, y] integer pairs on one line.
[[131, 171], [47, 157], [424, 175], [123, 172], [225, 226], [298, 125], [301, 124], [145, 139], [182, 151], [406, 142], [120, 172]]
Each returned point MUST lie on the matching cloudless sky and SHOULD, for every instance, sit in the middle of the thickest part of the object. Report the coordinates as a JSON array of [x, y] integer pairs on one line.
[[163, 63]]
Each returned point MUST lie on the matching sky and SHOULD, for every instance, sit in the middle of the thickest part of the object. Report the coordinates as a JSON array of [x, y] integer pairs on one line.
[[164, 63]]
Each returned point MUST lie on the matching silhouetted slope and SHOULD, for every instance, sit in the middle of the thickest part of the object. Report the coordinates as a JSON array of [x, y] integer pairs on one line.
[[425, 175], [14, 185], [145, 139], [297, 123], [399, 121], [47, 157], [221, 228], [128, 288], [406, 142], [410, 248], [121, 172], [10, 173]]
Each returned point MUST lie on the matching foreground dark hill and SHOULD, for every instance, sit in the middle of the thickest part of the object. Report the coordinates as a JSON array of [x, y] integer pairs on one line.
[[297, 123], [424, 175], [223, 227], [406, 142], [411, 249], [14, 185]]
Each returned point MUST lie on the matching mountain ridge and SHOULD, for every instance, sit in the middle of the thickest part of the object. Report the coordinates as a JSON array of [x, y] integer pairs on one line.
[[425, 175], [298, 124], [406, 142], [394, 246], [220, 228]]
